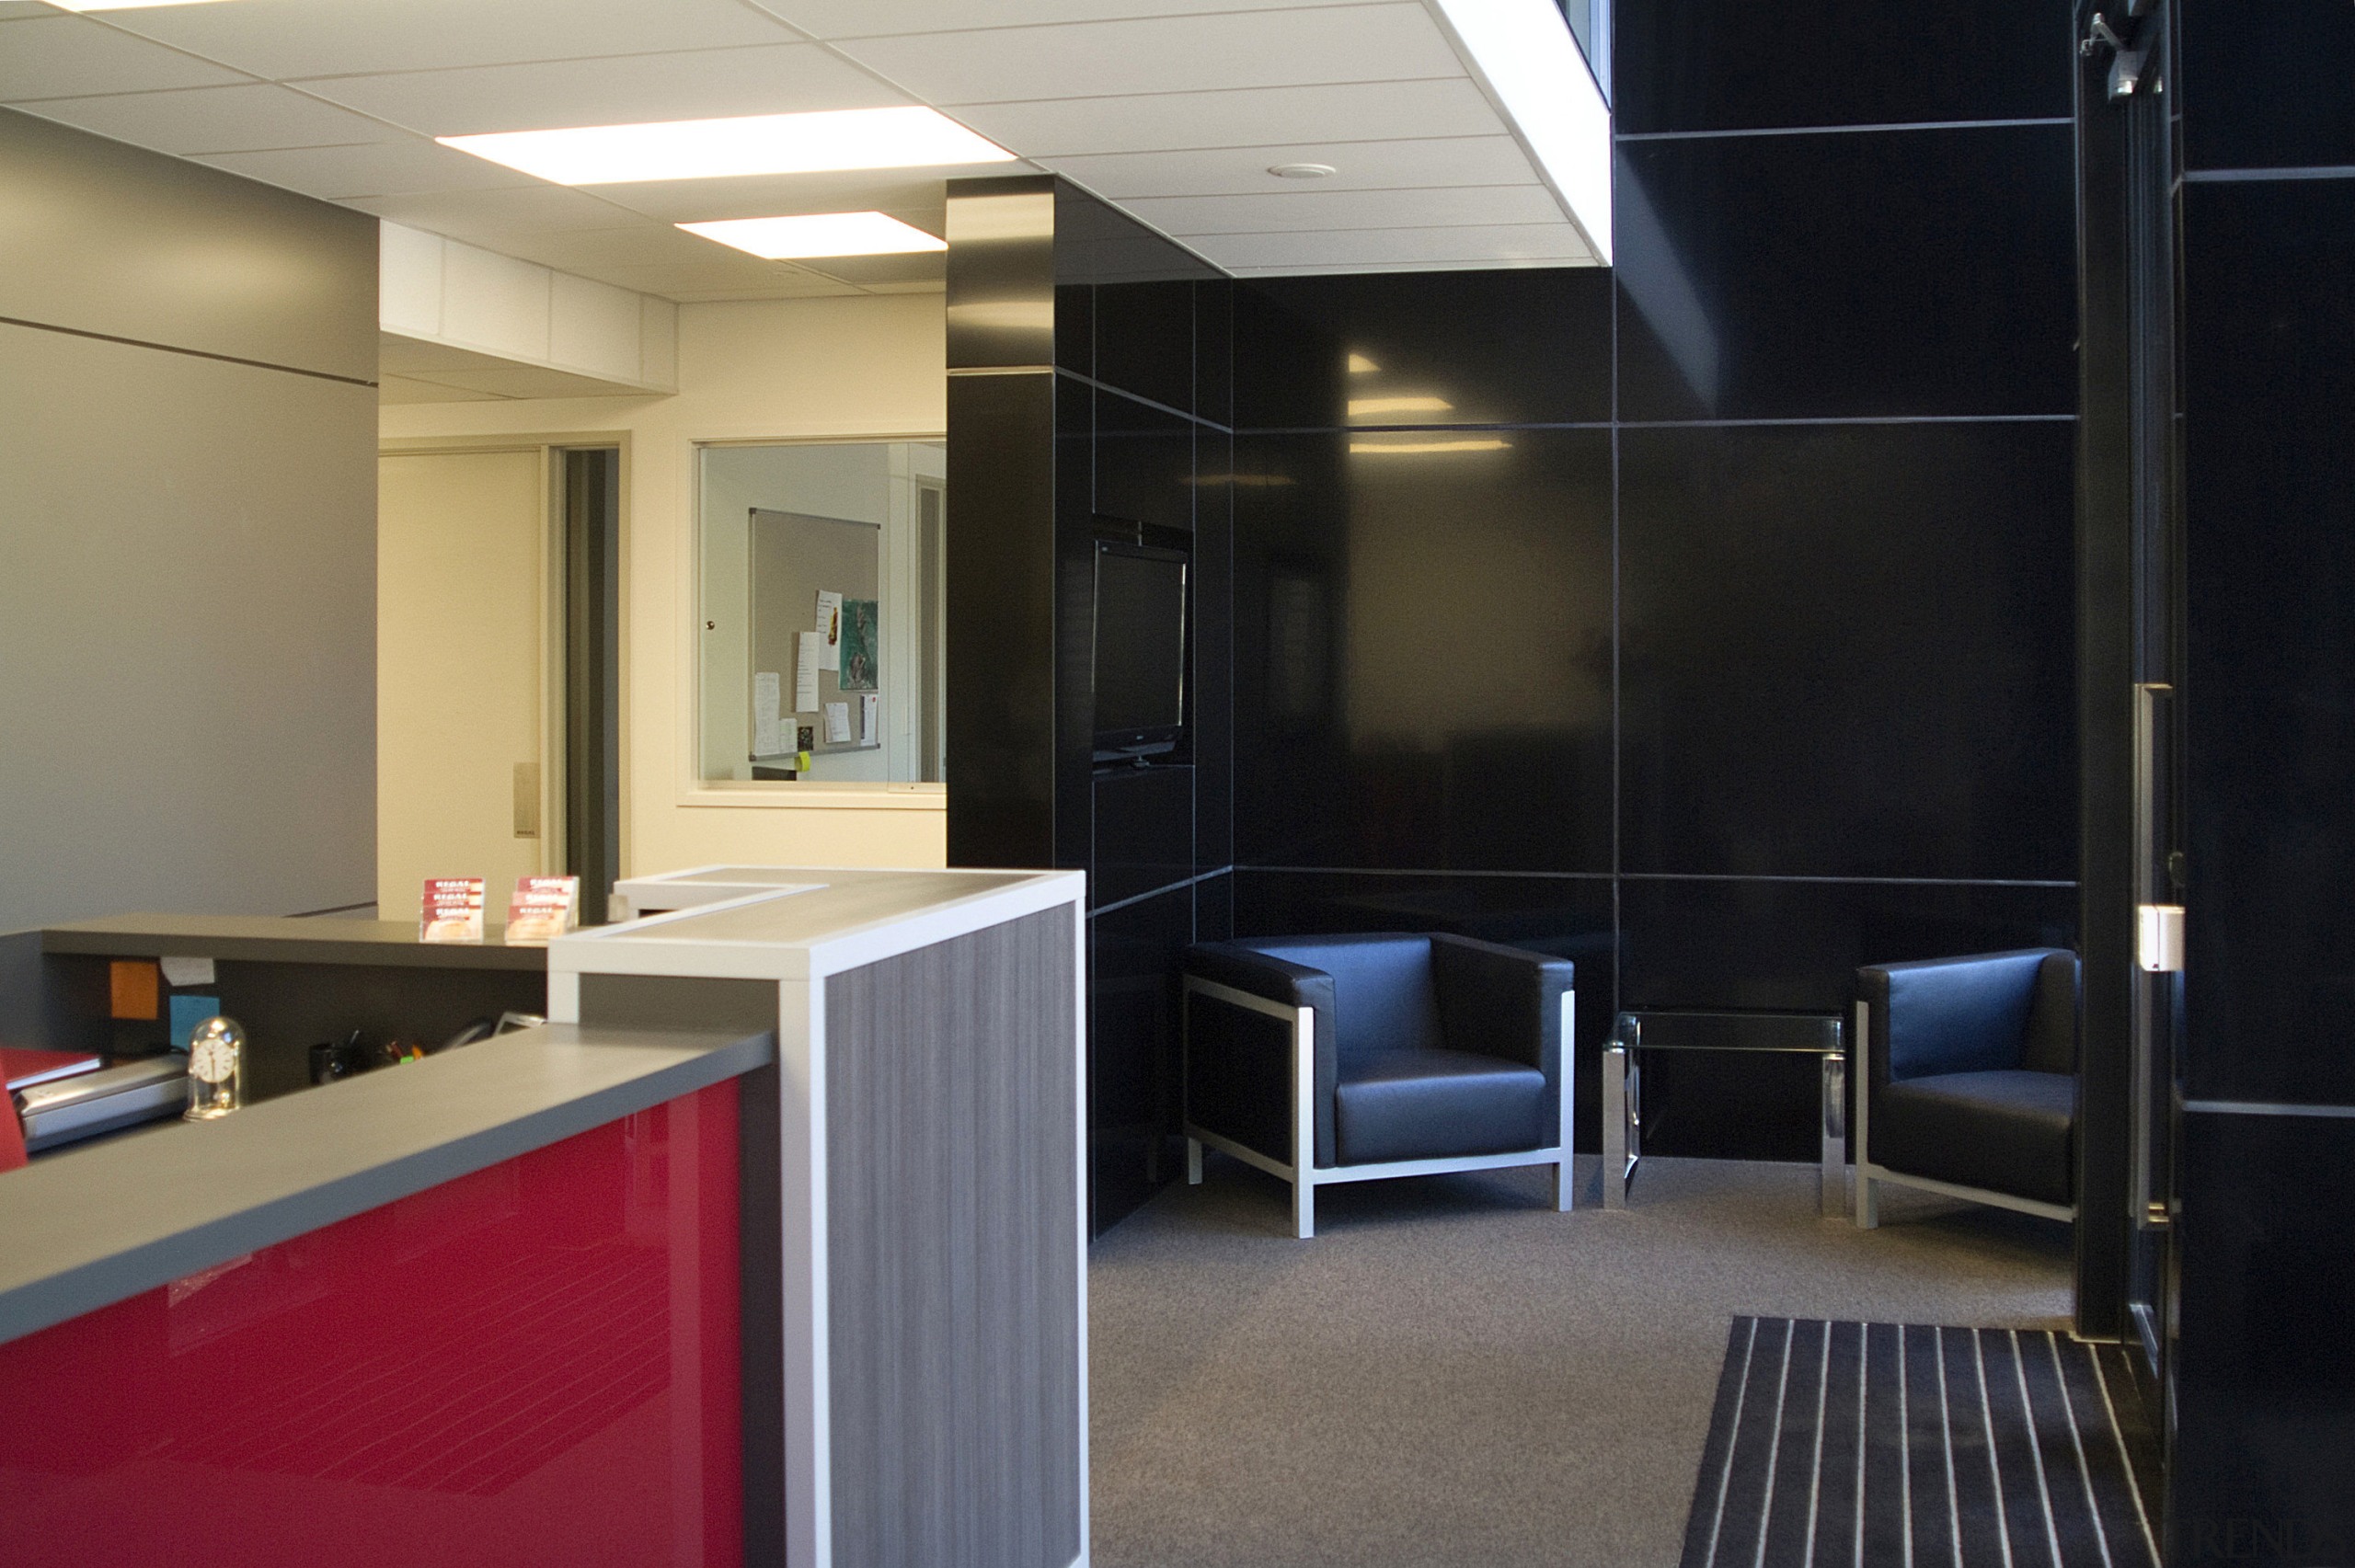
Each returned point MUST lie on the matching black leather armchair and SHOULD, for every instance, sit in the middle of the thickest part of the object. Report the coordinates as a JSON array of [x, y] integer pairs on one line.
[[1971, 1082], [1348, 1058]]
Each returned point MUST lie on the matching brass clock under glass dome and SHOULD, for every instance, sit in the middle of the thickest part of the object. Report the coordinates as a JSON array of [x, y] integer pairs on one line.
[[216, 1069]]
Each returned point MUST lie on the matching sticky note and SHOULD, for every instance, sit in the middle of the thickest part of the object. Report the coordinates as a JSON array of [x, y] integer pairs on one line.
[[132, 986], [188, 1011]]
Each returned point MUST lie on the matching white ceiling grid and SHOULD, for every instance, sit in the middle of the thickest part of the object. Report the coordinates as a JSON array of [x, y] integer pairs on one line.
[[1173, 109]]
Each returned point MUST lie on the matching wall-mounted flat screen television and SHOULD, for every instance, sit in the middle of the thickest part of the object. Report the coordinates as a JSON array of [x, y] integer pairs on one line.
[[1139, 650]]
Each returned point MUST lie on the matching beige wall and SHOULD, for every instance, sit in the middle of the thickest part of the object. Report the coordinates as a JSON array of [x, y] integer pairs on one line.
[[747, 371]]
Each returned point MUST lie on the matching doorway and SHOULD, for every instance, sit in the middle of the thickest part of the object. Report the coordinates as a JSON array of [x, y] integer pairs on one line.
[[498, 728]]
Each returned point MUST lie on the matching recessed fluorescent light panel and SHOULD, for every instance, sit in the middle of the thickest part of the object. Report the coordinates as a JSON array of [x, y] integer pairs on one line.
[[820, 233], [757, 143], [1522, 54]]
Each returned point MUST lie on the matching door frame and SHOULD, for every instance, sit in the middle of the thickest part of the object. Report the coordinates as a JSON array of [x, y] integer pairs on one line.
[[550, 448]]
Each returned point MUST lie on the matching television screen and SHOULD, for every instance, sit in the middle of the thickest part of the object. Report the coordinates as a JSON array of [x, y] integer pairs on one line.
[[1140, 644]]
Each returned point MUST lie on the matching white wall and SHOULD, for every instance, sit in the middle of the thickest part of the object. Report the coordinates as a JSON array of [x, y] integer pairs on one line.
[[749, 371]]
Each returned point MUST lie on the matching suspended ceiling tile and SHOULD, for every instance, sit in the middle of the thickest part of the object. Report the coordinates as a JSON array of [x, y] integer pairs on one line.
[[1165, 54], [626, 89], [862, 18], [866, 271], [406, 168], [1357, 165], [408, 389], [1309, 211], [586, 251], [218, 120], [1358, 111], [56, 56], [281, 39], [470, 214], [1555, 244], [754, 280], [777, 195]]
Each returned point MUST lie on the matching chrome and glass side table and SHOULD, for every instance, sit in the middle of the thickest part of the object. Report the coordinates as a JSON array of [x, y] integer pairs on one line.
[[1821, 1035]]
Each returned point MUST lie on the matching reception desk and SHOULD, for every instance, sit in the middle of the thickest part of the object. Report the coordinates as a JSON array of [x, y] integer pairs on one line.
[[765, 1248]]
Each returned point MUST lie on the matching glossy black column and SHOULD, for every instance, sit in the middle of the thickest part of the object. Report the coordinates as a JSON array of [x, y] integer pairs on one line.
[[2264, 1368], [1090, 385]]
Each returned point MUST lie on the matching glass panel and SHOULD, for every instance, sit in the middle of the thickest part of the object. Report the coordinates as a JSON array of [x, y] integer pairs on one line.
[[531, 1367], [820, 570]]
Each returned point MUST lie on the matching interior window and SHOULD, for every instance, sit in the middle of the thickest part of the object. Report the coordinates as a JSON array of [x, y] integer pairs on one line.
[[820, 588]]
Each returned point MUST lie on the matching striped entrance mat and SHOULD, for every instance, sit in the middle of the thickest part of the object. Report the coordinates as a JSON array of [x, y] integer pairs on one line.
[[1900, 1446]]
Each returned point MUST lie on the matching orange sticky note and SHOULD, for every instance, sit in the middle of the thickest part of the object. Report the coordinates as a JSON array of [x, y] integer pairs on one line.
[[134, 986]]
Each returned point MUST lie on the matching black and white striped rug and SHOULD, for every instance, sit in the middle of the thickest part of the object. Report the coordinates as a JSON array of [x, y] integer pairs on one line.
[[1902, 1446]]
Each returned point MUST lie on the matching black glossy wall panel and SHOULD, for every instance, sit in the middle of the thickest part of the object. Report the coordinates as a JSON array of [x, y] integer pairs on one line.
[[1795, 945], [1213, 650], [1530, 346], [1144, 464], [1719, 64], [1144, 831], [1004, 580], [2269, 480], [1132, 1044], [2264, 87], [1144, 339], [1214, 351], [2264, 1462], [1843, 276], [1423, 650], [1848, 650]]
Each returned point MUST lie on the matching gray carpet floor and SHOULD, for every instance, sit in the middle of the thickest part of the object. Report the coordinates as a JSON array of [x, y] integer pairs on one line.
[[1453, 1373]]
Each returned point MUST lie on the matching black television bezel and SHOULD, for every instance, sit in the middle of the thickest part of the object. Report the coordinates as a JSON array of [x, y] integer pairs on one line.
[[1155, 741]]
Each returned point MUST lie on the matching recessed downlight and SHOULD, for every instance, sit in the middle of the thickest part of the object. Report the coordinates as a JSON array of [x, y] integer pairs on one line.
[[820, 233], [1301, 171], [756, 144]]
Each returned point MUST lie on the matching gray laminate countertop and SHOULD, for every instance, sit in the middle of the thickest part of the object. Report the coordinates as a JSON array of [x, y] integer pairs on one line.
[[82, 1229], [275, 939]]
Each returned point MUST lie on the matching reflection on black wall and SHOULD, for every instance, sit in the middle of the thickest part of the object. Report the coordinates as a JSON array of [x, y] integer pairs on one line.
[[1710, 619]]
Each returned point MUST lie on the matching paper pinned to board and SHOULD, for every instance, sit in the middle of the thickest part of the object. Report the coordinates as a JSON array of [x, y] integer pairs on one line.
[[809, 648], [829, 626], [869, 719], [767, 693], [837, 722], [181, 971]]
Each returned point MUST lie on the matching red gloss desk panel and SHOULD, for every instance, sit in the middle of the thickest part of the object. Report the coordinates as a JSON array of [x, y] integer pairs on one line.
[[535, 1364]]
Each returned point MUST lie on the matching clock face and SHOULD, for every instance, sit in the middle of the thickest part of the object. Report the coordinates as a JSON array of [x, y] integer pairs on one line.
[[212, 1061]]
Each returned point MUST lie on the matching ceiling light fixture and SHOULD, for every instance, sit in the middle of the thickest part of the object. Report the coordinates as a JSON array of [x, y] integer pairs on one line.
[[757, 143], [1486, 444], [1361, 406], [121, 5], [1361, 365], [1301, 171], [820, 233], [1521, 54]]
